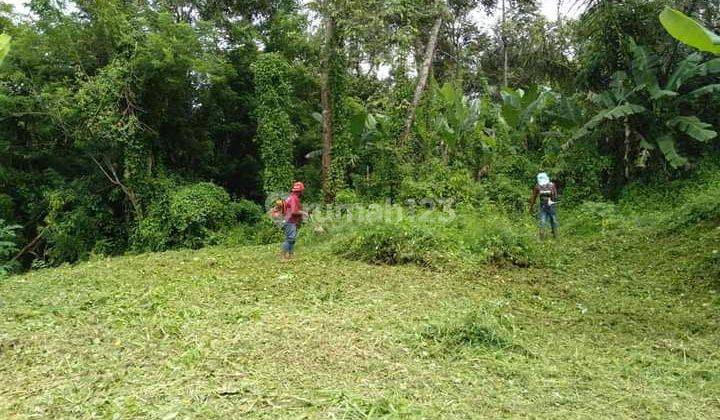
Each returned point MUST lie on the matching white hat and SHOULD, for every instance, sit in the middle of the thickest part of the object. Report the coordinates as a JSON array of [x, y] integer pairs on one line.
[[543, 178]]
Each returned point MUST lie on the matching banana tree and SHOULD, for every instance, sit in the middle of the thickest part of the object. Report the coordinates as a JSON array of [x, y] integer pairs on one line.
[[654, 116], [690, 32], [450, 121], [366, 133], [521, 109]]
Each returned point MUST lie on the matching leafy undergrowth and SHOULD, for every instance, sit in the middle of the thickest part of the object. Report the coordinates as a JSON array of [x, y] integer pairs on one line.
[[620, 326], [483, 235]]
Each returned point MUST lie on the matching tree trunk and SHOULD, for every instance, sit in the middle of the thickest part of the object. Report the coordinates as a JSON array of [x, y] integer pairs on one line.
[[559, 14], [111, 174], [327, 109], [422, 79], [505, 50], [626, 158], [29, 246]]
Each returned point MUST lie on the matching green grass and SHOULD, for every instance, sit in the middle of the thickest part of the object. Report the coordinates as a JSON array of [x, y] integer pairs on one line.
[[618, 325]]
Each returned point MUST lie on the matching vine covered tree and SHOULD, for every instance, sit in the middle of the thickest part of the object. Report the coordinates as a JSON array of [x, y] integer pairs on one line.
[[275, 132]]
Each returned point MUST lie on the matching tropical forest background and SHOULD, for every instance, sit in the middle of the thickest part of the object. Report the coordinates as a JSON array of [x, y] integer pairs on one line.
[[131, 126]]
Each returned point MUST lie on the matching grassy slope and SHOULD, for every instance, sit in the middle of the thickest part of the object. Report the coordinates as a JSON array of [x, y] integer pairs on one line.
[[620, 328]]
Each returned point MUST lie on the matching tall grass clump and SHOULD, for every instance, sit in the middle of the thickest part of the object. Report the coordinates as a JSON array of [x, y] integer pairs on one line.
[[492, 237], [679, 204], [710, 267], [483, 235], [597, 217], [397, 242], [472, 331], [701, 207], [475, 330]]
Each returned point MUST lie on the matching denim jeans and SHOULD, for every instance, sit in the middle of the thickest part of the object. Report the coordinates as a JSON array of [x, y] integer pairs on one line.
[[290, 236], [548, 213]]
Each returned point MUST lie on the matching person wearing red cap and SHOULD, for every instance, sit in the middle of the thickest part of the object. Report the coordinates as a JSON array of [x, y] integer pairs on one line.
[[294, 214]]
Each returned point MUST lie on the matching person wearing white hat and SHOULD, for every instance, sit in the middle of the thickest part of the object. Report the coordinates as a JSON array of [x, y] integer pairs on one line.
[[545, 189]]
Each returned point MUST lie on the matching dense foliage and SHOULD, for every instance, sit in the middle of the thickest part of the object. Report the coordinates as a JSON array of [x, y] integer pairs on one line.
[[148, 125], [275, 131]]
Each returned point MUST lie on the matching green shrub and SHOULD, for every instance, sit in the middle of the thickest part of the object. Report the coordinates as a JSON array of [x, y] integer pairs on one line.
[[346, 196], [239, 235], [485, 236], [6, 206], [710, 267], [7, 246], [266, 232], [76, 221], [188, 216], [508, 192], [582, 169], [196, 211], [395, 243], [275, 131], [263, 232], [596, 217], [437, 181], [491, 237], [658, 193], [701, 207], [153, 232], [247, 211]]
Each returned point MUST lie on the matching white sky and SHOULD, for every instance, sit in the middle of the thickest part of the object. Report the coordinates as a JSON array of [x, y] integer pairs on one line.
[[19, 4], [567, 8]]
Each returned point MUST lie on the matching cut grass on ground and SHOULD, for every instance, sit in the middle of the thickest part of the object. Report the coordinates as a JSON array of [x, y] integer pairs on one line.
[[620, 329]]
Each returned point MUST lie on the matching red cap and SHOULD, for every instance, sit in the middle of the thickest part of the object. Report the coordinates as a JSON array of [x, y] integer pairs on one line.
[[298, 187]]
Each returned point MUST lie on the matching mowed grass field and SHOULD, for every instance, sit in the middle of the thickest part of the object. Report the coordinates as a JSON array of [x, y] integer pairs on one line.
[[617, 326]]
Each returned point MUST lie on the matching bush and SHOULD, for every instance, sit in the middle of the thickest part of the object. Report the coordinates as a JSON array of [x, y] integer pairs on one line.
[[473, 330], [275, 131], [395, 243], [239, 235], [701, 207], [188, 216], [485, 236], [196, 211], [77, 222], [440, 182], [247, 211], [6, 206], [491, 237], [710, 267], [508, 192], [261, 233], [596, 217], [7, 246], [346, 196]]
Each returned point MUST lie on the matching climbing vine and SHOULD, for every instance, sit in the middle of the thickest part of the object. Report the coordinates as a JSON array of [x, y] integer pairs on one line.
[[275, 132]]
